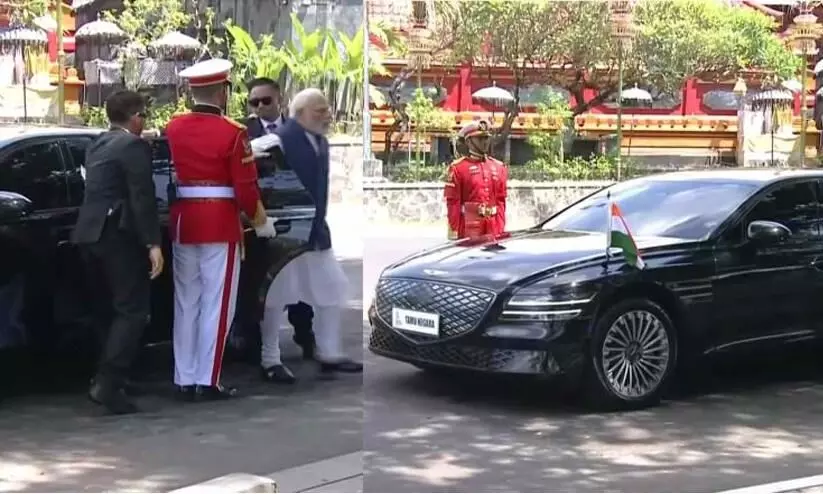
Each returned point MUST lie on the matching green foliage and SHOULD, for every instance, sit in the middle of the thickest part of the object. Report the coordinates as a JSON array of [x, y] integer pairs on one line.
[[159, 116], [593, 168], [548, 146], [675, 40], [94, 116], [424, 115], [29, 10], [328, 60], [147, 20]]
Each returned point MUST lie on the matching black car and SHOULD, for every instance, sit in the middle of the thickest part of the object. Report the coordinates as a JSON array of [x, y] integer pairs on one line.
[[42, 301], [734, 260]]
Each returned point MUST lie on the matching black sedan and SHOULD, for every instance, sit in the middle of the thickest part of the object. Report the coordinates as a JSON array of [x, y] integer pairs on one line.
[[43, 305], [733, 261]]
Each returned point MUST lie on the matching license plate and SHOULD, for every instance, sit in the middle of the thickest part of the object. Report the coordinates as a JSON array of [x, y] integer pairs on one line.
[[415, 321]]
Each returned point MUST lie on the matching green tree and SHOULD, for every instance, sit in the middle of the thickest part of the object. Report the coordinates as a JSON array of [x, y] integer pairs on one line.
[[425, 117], [675, 40], [24, 11]]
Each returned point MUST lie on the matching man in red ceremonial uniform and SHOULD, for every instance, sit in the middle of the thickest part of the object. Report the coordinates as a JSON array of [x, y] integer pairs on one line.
[[216, 181], [476, 187]]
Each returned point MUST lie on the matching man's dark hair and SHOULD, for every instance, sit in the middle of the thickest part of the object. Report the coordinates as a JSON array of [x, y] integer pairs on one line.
[[122, 105], [263, 81]]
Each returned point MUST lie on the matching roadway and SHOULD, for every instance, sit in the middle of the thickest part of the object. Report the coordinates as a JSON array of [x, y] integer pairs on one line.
[[53, 440]]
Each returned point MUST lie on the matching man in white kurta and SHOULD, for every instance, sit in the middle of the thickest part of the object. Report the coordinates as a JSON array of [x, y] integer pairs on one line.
[[314, 277]]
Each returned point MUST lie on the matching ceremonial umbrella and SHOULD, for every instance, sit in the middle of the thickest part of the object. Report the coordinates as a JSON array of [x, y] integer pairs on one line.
[[637, 96], [495, 95], [176, 43], [768, 101]]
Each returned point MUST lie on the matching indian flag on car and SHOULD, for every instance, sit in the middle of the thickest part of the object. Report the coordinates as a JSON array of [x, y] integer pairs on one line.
[[620, 237]]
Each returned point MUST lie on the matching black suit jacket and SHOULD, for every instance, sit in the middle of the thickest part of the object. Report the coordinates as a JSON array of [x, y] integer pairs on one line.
[[119, 185]]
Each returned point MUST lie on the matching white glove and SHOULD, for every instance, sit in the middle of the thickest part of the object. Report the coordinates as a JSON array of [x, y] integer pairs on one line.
[[266, 230], [263, 144]]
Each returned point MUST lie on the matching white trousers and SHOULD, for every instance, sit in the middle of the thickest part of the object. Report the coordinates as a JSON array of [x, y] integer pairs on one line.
[[205, 292], [317, 279]]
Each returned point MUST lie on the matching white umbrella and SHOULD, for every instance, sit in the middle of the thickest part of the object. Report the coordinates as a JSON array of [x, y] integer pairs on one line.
[[46, 23], [99, 29], [493, 94], [24, 35], [636, 94], [176, 39], [792, 85], [773, 95]]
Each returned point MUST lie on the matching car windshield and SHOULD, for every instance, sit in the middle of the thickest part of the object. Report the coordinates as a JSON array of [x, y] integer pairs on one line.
[[659, 208]]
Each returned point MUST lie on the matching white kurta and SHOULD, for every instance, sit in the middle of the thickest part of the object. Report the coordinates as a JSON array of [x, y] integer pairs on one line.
[[317, 279]]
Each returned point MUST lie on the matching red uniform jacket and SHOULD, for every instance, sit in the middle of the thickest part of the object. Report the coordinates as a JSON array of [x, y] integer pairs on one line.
[[476, 193], [208, 149]]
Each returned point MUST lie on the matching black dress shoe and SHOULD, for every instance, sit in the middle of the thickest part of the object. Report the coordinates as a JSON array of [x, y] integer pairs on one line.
[[278, 374], [346, 366], [185, 393], [112, 398], [133, 389], [214, 393]]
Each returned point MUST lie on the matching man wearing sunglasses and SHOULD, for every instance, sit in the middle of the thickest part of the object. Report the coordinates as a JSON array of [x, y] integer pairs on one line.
[[266, 114]]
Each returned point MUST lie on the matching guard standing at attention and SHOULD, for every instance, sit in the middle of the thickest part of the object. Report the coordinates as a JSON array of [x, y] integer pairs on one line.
[[216, 181], [476, 187]]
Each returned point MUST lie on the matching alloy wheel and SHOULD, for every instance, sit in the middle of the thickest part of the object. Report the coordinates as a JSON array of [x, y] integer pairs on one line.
[[635, 354]]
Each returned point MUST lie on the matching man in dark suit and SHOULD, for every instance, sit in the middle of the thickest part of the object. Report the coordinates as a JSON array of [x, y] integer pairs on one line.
[[118, 231], [265, 108], [315, 276]]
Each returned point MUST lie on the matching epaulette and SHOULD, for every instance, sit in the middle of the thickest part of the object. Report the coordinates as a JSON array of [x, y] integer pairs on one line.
[[495, 160], [458, 160], [235, 123]]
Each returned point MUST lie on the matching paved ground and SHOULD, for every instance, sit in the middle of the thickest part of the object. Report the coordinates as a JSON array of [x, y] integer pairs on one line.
[[754, 422], [54, 441]]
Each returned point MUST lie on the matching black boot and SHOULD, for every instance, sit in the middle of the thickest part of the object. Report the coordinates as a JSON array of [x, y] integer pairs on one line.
[[109, 393]]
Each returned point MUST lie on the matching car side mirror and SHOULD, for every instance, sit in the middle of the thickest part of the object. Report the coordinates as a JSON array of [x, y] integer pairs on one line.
[[14, 206], [767, 232]]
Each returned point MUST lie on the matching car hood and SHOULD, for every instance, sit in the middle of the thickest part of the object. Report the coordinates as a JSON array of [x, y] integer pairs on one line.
[[496, 264]]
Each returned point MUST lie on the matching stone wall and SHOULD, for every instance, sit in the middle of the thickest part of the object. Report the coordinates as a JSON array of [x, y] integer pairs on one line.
[[527, 204], [346, 170]]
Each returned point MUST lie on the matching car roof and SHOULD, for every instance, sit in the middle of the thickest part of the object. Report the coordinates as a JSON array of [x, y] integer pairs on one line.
[[12, 133], [758, 176]]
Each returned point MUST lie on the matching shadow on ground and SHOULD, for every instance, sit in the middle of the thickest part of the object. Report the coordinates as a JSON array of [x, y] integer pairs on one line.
[[751, 421]]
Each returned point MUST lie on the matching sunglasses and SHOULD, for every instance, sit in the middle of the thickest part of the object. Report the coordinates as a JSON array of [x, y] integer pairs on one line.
[[255, 102]]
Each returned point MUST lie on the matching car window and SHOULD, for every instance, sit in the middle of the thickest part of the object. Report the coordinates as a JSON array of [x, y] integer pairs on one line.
[[687, 209], [77, 152], [35, 170], [794, 205]]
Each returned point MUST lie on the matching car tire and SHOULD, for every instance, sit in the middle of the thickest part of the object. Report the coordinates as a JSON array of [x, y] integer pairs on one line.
[[632, 371]]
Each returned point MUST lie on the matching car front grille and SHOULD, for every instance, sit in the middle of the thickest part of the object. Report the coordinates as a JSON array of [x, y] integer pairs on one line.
[[460, 308], [467, 357]]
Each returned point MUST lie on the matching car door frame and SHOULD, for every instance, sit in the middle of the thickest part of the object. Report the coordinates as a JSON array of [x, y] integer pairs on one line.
[[744, 293]]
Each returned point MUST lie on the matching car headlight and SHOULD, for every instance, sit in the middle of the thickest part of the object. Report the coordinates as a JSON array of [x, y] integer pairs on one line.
[[543, 303]]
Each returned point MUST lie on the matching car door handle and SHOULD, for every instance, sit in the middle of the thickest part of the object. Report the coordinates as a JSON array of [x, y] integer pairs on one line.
[[282, 226]]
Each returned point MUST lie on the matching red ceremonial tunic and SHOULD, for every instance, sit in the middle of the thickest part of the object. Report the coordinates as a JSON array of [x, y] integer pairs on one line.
[[208, 149], [476, 191]]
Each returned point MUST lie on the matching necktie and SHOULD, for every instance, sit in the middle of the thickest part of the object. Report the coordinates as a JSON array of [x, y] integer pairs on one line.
[[270, 127]]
